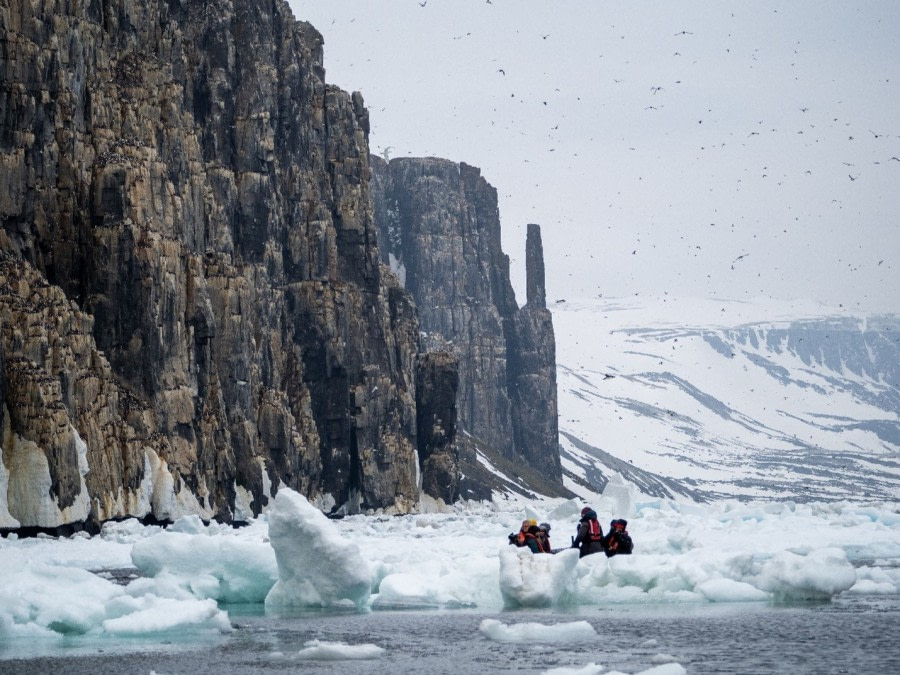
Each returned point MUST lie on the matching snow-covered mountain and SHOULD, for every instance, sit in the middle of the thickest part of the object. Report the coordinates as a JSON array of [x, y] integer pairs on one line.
[[709, 398]]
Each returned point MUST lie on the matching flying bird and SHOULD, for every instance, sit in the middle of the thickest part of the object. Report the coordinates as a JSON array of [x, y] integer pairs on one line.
[[501, 71]]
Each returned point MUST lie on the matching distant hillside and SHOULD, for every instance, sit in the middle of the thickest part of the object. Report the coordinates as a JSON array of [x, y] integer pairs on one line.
[[711, 398]]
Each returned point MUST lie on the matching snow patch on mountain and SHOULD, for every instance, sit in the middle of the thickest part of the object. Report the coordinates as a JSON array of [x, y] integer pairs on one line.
[[710, 398]]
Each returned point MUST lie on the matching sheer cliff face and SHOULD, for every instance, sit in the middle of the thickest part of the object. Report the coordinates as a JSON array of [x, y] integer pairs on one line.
[[439, 228], [192, 308]]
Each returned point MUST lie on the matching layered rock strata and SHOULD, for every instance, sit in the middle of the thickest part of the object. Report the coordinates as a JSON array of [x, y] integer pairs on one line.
[[192, 309], [439, 228]]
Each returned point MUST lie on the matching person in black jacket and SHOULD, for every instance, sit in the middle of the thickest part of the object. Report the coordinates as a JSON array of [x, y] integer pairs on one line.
[[618, 541], [590, 535]]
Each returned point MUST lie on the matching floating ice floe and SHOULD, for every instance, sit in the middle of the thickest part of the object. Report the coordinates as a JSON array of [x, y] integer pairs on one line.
[[41, 600], [317, 567], [319, 650], [529, 580], [573, 631], [189, 559]]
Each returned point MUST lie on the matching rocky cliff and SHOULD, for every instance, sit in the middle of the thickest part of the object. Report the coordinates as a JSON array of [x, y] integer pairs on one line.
[[439, 228], [192, 308]]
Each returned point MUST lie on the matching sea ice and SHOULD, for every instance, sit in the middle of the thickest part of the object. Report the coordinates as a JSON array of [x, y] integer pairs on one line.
[[295, 556], [224, 568], [529, 580], [574, 631], [317, 567], [319, 650]]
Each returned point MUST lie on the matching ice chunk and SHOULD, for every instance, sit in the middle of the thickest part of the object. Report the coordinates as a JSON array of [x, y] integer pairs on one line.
[[318, 650], [729, 590], [819, 575], [189, 525], [317, 567], [69, 601], [126, 531], [536, 580], [617, 500], [574, 631], [164, 615], [570, 509], [222, 568], [407, 590]]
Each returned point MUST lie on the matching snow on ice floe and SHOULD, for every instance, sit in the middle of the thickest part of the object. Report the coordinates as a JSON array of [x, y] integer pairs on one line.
[[319, 650], [317, 566], [530, 633], [43, 600]]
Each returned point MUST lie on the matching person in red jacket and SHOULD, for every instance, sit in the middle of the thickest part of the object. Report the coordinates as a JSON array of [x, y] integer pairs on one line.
[[590, 535], [618, 541]]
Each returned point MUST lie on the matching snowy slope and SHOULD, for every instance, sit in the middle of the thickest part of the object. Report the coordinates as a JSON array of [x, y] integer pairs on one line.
[[711, 398]]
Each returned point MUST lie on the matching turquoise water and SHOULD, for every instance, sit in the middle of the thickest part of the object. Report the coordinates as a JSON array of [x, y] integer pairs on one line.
[[856, 634]]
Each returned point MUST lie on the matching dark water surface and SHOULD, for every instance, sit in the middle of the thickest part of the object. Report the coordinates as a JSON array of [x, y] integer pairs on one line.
[[858, 634]]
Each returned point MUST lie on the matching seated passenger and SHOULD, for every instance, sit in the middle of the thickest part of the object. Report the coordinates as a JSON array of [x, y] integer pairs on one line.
[[590, 535], [518, 538], [533, 540], [544, 537], [618, 541]]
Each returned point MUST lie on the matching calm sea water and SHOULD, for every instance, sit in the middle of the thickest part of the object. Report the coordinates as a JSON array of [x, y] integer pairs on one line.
[[848, 635]]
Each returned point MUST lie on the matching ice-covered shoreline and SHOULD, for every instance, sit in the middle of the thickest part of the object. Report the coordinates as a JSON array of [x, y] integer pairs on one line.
[[685, 553]]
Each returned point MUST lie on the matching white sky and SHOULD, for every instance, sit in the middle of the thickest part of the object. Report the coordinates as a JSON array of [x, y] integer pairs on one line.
[[654, 142]]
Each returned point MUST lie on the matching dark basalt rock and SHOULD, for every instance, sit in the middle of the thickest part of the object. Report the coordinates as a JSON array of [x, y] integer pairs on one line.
[[437, 383], [192, 309], [439, 228]]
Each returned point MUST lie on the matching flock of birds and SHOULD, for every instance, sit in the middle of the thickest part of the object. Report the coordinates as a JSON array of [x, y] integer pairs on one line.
[[812, 125]]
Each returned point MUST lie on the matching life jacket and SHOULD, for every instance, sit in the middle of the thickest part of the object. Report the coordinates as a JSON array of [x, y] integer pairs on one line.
[[594, 531]]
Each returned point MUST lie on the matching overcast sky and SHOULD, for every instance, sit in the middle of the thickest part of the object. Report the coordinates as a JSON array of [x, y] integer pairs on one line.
[[712, 149]]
